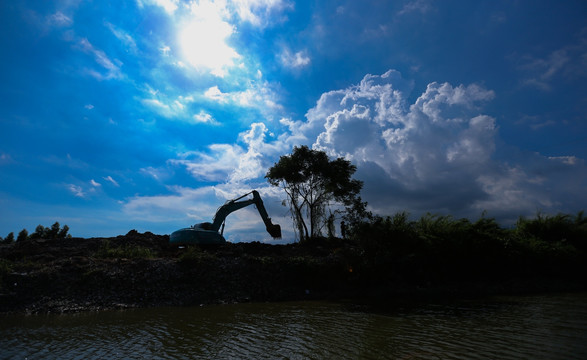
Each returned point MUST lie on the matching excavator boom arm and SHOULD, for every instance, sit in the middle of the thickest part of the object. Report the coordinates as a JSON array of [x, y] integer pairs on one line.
[[230, 206]]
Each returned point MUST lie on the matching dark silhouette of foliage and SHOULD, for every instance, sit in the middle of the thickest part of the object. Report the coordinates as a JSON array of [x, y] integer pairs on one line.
[[8, 239], [313, 183], [437, 247], [41, 232], [557, 228], [22, 235]]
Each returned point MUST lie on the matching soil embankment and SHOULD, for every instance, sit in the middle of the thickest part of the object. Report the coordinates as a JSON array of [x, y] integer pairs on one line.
[[138, 270]]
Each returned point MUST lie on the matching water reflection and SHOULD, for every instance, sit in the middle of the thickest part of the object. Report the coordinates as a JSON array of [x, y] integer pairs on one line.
[[537, 327]]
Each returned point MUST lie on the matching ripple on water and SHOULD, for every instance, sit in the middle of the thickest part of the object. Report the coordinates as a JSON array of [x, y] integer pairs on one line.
[[538, 327]]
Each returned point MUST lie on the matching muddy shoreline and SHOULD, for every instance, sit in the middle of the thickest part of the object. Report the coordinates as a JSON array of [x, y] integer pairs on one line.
[[142, 270]]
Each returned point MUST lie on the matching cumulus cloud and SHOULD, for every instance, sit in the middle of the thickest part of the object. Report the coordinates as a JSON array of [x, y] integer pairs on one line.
[[214, 165], [436, 154], [232, 163]]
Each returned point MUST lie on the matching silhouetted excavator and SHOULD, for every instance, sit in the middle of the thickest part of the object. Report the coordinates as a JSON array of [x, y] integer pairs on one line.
[[207, 233]]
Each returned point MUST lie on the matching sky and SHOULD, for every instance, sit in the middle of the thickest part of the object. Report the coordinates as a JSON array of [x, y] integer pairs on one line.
[[149, 114]]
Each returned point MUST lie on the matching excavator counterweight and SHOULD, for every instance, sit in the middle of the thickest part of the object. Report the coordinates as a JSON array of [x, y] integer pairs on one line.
[[212, 233]]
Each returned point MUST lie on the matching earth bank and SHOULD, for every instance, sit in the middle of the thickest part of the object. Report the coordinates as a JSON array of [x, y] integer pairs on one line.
[[142, 269]]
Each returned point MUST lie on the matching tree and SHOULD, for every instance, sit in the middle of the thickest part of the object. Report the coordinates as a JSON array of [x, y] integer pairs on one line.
[[53, 232], [9, 239], [313, 183], [22, 235]]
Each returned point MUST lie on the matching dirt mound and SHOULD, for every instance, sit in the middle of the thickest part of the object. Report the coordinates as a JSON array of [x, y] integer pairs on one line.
[[143, 269]]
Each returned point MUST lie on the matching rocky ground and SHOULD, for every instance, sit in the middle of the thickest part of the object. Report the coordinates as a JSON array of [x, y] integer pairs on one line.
[[139, 270]]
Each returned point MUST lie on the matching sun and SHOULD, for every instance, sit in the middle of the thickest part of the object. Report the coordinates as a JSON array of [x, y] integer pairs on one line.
[[203, 43]]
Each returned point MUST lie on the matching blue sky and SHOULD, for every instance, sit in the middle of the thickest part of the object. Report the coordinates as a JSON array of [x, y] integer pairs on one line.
[[149, 114]]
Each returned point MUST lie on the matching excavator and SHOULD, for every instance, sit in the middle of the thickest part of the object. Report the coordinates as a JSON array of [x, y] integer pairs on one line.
[[207, 233]]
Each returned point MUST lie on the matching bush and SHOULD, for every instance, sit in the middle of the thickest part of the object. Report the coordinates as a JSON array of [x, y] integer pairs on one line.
[[556, 229], [437, 247]]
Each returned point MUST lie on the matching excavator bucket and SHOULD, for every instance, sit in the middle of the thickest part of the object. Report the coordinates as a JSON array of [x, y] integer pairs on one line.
[[274, 230]]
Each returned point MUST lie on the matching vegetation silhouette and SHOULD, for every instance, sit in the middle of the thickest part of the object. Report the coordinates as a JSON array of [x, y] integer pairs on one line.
[[41, 232], [314, 184], [439, 248], [382, 258]]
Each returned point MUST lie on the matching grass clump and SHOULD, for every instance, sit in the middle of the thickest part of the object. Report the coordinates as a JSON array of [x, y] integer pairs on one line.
[[126, 251], [194, 255]]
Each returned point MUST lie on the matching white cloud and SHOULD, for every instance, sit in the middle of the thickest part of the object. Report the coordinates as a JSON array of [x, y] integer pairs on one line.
[[233, 163], [261, 95], [421, 6], [95, 183], [76, 190], [215, 94], [59, 19], [174, 108], [112, 69], [168, 5], [436, 154], [198, 204], [433, 154], [296, 60], [567, 63], [214, 165], [111, 180], [250, 165], [261, 12], [204, 38], [123, 36], [205, 118]]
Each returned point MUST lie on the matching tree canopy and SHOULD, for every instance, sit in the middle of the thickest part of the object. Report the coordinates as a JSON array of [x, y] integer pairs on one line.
[[313, 183]]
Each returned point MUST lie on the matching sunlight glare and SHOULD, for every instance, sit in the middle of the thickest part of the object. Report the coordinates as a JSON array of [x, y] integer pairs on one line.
[[203, 42]]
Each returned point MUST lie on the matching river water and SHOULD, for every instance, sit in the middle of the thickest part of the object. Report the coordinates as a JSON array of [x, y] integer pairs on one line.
[[529, 327]]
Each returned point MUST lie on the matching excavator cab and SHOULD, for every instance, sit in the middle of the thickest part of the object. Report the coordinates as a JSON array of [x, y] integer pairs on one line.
[[207, 233]]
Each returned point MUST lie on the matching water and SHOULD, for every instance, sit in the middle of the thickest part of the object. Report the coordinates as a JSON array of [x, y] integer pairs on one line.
[[533, 327]]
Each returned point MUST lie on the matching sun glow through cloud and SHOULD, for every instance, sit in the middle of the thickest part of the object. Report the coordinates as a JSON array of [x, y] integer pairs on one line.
[[203, 39]]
